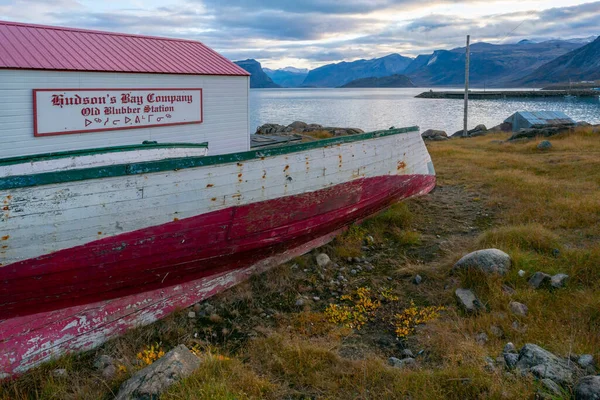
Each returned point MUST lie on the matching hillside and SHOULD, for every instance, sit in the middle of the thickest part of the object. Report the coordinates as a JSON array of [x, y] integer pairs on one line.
[[491, 65], [258, 78], [393, 81], [287, 77], [582, 64], [335, 75]]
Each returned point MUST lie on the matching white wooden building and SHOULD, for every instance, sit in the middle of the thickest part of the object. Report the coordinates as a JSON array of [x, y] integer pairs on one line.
[[144, 89]]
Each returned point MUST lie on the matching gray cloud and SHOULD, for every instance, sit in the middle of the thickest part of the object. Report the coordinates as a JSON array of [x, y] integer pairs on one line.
[[316, 31]]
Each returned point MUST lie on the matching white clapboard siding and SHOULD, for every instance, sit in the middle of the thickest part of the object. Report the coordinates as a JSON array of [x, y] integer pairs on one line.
[[225, 111], [45, 219]]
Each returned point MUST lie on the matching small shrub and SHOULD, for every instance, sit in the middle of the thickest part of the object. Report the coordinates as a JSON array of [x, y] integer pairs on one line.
[[406, 322]]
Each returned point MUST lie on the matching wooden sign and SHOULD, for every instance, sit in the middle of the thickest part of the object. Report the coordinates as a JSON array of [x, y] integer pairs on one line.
[[67, 111]]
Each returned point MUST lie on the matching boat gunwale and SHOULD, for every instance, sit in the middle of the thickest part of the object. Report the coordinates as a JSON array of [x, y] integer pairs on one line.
[[170, 164], [96, 151]]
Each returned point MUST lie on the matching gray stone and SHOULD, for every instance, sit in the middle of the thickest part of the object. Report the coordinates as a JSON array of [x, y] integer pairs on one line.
[[299, 303], [298, 125], [353, 272], [417, 280], [397, 363], [518, 308], [468, 301], [497, 331], [544, 145], [191, 314], [489, 261], [586, 360], [323, 260], [559, 281], [482, 338], [588, 388], [407, 353], [511, 359], [521, 273], [508, 290], [510, 348], [151, 381], [552, 387], [539, 280], [103, 361], [543, 364], [432, 134]]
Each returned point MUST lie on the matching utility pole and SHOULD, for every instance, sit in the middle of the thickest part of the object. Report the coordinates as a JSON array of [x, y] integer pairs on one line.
[[466, 129]]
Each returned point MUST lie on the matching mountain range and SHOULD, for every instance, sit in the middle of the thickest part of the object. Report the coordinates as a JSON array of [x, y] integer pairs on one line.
[[527, 62], [258, 78]]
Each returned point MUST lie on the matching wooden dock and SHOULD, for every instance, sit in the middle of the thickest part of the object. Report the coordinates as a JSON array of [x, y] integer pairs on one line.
[[507, 94]]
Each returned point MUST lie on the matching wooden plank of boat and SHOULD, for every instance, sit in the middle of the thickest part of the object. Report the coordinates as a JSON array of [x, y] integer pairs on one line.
[[87, 253]]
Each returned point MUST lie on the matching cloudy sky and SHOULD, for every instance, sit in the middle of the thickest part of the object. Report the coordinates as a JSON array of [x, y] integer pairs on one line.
[[311, 33]]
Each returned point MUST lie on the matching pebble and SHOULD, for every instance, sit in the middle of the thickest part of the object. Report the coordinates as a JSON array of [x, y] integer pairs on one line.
[[482, 338], [397, 363], [417, 280], [544, 145], [518, 308], [559, 281], [316, 298], [389, 278], [191, 314], [323, 260], [522, 273], [539, 279], [497, 331], [299, 303], [354, 272]]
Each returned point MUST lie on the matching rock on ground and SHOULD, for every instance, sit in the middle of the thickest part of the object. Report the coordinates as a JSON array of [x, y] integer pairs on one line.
[[540, 279], [297, 127], [552, 387], [489, 261], [468, 301], [323, 260], [151, 381], [479, 130], [588, 388], [544, 365], [544, 145], [435, 135], [397, 363], [586, 360], [518, 308], [559, 280]]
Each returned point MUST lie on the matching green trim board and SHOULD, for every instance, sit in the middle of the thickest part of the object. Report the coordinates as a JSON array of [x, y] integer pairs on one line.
[[100, 150], [48, 178]]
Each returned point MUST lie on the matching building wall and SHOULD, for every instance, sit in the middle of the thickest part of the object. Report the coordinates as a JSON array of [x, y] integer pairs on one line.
[[225, 105]]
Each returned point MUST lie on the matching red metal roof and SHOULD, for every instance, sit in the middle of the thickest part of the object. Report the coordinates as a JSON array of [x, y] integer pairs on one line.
[[29, 46]]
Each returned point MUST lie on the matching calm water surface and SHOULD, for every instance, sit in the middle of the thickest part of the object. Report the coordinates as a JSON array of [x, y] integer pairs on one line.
[[372, 109]]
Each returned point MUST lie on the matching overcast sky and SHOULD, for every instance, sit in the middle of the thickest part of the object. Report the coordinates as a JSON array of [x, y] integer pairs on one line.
[[311, 33]]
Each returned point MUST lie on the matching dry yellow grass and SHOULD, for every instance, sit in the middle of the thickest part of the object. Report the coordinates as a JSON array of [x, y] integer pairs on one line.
[[546, 216]]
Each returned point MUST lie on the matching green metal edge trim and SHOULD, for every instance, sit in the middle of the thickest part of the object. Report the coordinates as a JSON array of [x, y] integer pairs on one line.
[[100, 150], [48, 178]]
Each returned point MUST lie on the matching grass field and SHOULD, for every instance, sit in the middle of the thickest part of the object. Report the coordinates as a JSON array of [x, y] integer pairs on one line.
[[259, 341]]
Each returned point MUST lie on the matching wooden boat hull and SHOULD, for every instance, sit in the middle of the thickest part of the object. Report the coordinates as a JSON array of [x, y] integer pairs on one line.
[[82, 267]]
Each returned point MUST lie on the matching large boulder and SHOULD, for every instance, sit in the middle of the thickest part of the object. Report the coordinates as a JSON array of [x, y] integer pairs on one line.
[[434, 135], [544, 365], [151, 381], [490, 261], [479, 130], [540, 280], [270, 129], [588, 388], [298, 125]]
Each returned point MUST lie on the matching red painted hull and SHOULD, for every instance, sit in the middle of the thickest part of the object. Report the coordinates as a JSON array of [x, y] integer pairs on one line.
[[190, 254]]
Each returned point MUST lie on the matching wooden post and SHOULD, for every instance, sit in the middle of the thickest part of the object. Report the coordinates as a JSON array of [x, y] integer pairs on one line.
[[466, 129]]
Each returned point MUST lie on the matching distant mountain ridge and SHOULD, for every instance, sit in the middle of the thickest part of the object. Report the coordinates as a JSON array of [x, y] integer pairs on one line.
[[581, 64], [393, 81], [492, 65], [287, 77], [258, 78], [335, 75]]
